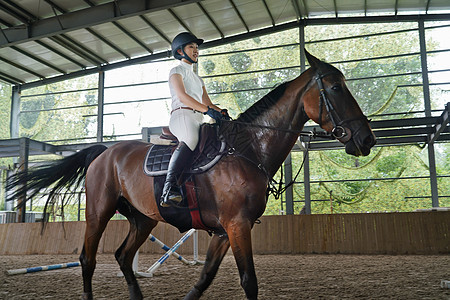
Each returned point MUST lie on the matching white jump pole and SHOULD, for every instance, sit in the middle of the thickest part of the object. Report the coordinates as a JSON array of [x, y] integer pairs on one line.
[[43, 268], [163, 246], [159, 262], [166, 248]]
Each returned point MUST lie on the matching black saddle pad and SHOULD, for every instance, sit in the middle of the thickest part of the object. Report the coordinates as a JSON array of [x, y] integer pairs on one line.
[[209, 151]]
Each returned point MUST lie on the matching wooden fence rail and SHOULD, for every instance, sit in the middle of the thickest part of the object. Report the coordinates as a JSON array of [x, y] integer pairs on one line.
[[378, 233]]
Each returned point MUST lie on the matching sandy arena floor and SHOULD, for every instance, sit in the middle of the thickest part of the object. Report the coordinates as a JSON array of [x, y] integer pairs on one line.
[[279, 277]]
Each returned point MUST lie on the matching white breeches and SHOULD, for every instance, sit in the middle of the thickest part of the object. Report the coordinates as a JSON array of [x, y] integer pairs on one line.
[[185, 125]]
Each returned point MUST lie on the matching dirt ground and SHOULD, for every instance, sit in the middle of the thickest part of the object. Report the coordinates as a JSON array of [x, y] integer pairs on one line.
[[279, 277]]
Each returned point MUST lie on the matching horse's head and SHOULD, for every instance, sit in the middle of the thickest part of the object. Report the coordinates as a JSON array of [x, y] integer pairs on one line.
[[329, 103]]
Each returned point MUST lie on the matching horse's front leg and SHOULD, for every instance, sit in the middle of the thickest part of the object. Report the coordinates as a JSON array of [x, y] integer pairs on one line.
[[239, 234], [217, 249]]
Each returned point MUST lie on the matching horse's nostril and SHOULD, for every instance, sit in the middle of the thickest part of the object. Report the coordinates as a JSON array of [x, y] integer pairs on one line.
[[370, 140]]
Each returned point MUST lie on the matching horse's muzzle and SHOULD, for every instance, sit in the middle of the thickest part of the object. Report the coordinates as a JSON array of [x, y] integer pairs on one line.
[[361, 143]]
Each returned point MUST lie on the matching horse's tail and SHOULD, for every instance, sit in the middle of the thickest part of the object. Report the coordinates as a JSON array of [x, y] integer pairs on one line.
[[67, 173]]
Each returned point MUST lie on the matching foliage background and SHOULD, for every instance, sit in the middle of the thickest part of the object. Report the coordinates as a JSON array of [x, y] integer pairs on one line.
[[383, 86], [238, 74]]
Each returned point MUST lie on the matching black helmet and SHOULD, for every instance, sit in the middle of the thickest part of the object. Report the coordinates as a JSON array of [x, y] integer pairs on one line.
[[182, 40]]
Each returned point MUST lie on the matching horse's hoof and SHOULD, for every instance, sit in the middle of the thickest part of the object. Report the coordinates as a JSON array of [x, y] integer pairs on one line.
[[193, 294], [87, 296]]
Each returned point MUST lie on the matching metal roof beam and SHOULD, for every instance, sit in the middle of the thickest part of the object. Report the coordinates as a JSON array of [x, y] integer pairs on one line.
[[335, 9], [13, 13], [268, 12], [135, 39], [7, 24], [296, 9], [39, 60], [55, 6], [60, 53], [103, 39], [133, 61], [21, 10], [427, 6], [107, 42], [239, 15], [10, 79], [21, 67], [179, 20], [155, 29], [84, 49], [211, 19], [83, 18], [305, 7], [75, 50], [90, 3]]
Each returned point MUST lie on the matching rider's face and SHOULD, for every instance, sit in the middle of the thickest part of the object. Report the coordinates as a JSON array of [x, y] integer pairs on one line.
[[191, 51]]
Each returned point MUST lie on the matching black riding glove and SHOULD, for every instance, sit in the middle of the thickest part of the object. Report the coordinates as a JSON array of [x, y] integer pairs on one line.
[[214, 114], [225, 115]]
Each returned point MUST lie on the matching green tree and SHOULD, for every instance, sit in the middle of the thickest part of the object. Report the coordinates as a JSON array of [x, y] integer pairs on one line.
[[49, 113]]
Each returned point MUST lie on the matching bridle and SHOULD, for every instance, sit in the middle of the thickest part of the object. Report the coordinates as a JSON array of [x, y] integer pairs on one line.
[[339, 131]]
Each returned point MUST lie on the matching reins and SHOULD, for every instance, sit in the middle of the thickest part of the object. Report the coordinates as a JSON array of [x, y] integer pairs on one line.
[[275, 188], [312, 133]]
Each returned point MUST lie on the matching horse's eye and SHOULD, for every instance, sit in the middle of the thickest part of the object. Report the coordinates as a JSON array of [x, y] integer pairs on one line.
[[336, 87]]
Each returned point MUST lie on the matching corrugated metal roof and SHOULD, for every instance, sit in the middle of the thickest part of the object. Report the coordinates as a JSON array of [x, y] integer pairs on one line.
[[61, 38]]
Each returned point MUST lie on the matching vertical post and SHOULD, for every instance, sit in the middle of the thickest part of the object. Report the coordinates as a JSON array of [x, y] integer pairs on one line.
[[302, 48], [195, 247], [15, 112], [427, 104], [306, 182], [79, 209], [100, 107], [23, 167], [290, 189], [306, 175]]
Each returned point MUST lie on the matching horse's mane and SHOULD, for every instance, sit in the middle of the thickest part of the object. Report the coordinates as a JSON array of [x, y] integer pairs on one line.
[[266, 102], [263, 104]]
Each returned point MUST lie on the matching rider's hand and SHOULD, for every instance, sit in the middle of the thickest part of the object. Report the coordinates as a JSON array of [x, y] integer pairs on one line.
[[225, 115], [214, 114]]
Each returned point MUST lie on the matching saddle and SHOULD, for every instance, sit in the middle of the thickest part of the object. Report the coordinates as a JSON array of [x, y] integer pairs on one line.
[[208, 152]]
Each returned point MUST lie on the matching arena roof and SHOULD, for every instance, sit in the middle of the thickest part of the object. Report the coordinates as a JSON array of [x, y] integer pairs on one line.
[[50, 40]]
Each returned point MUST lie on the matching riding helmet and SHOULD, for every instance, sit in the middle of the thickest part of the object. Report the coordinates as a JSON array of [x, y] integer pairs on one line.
[[182, 40]]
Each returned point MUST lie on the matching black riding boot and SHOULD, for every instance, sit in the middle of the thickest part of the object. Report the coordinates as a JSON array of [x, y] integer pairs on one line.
[[181, 157]]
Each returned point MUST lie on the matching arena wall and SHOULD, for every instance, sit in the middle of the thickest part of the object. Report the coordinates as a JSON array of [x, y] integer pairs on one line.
[[377, 233]]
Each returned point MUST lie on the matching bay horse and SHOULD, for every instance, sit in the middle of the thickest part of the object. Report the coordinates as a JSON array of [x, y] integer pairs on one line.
[[232, 194]]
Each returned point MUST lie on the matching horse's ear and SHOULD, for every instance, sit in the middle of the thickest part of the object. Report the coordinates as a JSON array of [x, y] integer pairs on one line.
[[314, 62]]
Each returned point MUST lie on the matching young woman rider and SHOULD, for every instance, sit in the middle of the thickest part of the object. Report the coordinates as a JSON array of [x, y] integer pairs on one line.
[[190, 102]]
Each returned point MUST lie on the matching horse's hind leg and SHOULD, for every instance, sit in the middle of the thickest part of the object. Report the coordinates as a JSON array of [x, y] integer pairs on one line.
[[95, 225], [140, 228], [218, 247]]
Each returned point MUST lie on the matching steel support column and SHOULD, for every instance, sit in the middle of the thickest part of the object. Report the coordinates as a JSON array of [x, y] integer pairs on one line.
[[307, 183], [100, 105], [290, 190], [15, 112], [427, 105], [24, 152], [306, 174]]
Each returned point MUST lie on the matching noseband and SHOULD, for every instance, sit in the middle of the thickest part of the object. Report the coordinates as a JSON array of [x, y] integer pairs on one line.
[[339, 132]]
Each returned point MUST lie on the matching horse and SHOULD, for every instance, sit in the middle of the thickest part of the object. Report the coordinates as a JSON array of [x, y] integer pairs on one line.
[[232, 194]]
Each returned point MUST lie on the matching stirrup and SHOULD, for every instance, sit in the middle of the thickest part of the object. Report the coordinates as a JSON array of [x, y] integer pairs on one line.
[[172, 199]]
